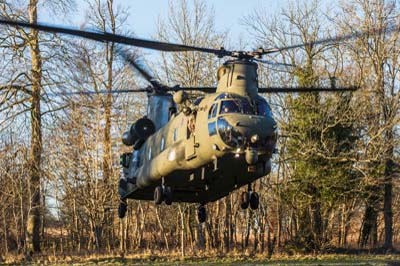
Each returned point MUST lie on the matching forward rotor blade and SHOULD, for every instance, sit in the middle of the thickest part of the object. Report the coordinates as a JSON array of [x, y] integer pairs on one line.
[[96, 92], [149, 90], [272, 63], [304, 89], [110, 37], [335, 39]]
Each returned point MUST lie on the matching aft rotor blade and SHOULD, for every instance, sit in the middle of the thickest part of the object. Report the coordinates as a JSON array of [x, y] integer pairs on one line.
[[334, 39], [304, 89], [134, 62], [96, 92], [202, 89], [116, 38]]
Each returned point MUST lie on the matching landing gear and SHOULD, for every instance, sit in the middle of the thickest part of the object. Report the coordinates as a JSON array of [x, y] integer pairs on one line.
[[158, 195], [162, 193], [201, 213], [249, 198], [168, 195], [244, 200], [254, 200], [122, 208]]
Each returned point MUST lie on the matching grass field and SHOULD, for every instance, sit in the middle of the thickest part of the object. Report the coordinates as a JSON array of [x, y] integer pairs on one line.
[[333, 261]]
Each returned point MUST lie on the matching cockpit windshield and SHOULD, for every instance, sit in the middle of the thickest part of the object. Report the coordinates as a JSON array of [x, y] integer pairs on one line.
[[232, 103], [230, 106], [236, 106]]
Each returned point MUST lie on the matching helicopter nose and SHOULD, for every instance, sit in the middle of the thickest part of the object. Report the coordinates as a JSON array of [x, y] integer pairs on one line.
[[251, 156], [255, 128]]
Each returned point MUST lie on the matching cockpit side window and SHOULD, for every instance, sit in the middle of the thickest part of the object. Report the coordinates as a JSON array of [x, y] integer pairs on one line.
[[263, 108], [213, 111]]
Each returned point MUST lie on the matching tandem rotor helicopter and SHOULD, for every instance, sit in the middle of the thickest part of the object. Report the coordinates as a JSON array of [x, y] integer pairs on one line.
[[198, 151]]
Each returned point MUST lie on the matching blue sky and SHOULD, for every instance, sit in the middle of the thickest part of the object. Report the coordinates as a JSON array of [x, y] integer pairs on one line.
[[145, 13], [227, 13]]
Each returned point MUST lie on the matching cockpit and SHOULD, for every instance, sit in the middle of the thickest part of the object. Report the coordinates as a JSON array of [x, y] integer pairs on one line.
[[229, 113], [231, 103]]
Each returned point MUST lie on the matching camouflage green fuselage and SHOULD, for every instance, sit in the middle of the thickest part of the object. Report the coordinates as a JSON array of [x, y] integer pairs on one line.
[[225, 142]]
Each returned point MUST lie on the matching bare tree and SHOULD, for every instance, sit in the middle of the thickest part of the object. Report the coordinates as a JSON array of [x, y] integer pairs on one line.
[[377, 57]]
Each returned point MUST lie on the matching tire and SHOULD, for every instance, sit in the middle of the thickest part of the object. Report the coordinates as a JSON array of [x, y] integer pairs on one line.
[[168, 195], [201, 214], [244, 200], [122, 208], [254, 200], [158, 195]]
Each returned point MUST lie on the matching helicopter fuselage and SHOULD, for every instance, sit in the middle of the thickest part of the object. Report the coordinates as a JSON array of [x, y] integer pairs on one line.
[[225, 141]]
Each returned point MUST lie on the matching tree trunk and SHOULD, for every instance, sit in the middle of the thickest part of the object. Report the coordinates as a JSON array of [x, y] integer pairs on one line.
[[182, 218], [369, 227], [107, 144], [227, 224], [33, 223], [387, 205], [162, 229]]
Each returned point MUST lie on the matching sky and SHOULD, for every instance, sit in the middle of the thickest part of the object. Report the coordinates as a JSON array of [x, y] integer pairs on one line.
[[144, 14], [227, 13]]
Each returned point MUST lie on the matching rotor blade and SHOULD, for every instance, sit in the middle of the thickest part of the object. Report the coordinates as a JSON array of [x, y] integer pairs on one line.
[[202, 89], [96, 92], [272, 63], [128, 57], [110, 37], [334, 39], [304, 89]]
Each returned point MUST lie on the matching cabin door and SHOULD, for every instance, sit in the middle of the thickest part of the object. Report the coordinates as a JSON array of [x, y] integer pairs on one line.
[[190, 149]]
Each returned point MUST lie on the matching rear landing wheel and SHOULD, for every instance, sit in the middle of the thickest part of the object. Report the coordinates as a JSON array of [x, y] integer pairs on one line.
[[168, 195], [158, 195], [201, 214]]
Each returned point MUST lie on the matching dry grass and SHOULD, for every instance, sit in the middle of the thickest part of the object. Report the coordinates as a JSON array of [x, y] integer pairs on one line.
[[175, 259]]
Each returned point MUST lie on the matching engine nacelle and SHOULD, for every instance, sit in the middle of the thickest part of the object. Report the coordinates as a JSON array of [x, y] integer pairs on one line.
[[139, 131]]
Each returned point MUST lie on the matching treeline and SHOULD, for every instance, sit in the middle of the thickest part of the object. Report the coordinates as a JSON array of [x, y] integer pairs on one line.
[[334, 182]]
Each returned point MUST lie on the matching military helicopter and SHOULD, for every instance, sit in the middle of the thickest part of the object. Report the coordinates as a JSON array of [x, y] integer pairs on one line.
[[198, 150]]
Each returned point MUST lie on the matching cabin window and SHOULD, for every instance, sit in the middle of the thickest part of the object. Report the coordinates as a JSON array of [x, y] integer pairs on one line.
[[162, 144], [175, 134], [171, 113], [149, 153]]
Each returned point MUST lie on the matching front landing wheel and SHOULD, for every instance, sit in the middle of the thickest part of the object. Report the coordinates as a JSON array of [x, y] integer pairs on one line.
[[201, 214], [158, 195]]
